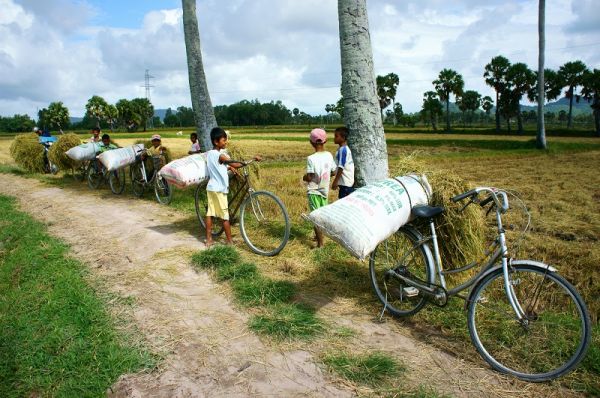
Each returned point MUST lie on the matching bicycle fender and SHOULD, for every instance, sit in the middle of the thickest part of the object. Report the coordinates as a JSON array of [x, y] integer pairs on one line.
[[535, 264]]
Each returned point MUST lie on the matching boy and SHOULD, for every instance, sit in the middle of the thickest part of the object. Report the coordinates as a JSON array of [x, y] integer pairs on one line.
[[319, 168], [217, 165], [344, 176], [157, 152], [106, 144], [95, 135], [195, 144]]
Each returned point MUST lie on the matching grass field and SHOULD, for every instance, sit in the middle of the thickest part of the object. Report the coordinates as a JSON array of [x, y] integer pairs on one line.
[[561, 188]]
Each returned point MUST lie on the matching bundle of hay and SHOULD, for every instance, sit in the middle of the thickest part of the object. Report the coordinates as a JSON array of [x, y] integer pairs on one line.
[[56, 153], [461, 235], [148, 144], [27, 152]]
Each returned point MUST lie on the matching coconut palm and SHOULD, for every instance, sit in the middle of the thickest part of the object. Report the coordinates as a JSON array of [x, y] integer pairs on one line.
[[571, 74], [448, 82], [203, 110], [495, 76], [359, 92]]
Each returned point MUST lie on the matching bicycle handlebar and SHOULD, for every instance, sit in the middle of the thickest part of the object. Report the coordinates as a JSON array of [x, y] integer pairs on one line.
[[464, 195], [494, 196]]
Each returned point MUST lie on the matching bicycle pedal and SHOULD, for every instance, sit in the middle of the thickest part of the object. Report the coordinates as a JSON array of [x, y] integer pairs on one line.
[[410, 291]]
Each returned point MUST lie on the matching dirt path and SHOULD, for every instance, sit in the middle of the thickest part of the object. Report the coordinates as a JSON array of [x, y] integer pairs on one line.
[[209, 349]]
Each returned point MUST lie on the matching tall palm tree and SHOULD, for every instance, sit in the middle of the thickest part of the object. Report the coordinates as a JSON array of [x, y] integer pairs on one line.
[[359, 92], [204, 114], [448, 82], [495, 76], [571, 74], [521, 79], [591, 92], [540, 139]]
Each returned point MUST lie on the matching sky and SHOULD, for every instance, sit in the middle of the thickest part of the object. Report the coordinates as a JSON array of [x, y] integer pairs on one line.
[[288, 50]]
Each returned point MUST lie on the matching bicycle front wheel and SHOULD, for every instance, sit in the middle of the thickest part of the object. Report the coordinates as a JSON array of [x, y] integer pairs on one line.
[[138, 183], [201, 204], [94, 176], [162, 190], [116, 180], [548, 342], [401, 254], [264, 223]]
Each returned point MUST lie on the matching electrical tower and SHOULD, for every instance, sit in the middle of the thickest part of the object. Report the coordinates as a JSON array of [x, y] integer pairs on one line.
[[148, 86]]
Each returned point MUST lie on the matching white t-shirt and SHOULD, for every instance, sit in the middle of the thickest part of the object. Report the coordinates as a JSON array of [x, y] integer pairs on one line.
[[343, 160], [195, 147], [217, 172], [321, 164]]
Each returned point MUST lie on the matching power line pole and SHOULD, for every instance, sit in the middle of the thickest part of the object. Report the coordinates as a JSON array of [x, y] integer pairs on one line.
[[148, 86]]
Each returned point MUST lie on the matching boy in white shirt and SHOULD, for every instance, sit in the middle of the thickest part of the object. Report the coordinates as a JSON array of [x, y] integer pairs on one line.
[[344, 176], [319, 168], [195, 144]]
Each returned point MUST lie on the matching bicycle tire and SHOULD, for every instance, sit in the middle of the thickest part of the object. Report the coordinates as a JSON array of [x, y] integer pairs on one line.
[[545, 353], [262, 220], [401, 252], [116, 181], [94, 177], [138, 185], [201, 205], [162, 190]]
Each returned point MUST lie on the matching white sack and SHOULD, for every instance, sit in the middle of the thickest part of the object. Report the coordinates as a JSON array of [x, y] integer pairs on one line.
[[190, 170], [85, 151], [371, 214], [119, 158]]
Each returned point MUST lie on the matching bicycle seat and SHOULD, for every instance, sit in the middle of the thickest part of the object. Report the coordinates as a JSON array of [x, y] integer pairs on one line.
[[426, 211]]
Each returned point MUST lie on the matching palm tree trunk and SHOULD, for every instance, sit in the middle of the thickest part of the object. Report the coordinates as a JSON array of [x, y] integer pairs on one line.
[[394, 112], [540, 139], [359, 92], [497, 115], [597, 119], [448, 112], [569, 120], [519, 121], [203, 111]]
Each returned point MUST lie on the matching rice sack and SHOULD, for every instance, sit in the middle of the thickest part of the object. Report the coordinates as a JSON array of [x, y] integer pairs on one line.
[[187, 171], [119, 158], [373, 213]]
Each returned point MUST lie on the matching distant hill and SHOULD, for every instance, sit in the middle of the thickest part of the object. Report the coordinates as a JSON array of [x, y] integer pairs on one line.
[[579, 108], [74, 119], [160, 113]]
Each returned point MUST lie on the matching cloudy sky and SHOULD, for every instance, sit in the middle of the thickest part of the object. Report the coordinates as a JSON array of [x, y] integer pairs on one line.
[[69, 50]]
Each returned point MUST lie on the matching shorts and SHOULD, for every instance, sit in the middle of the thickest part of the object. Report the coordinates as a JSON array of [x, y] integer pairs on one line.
[[217, 205], [316, 201], [344, 191]]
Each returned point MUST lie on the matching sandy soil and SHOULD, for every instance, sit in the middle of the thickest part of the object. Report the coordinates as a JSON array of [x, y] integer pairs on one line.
[[208, 348]]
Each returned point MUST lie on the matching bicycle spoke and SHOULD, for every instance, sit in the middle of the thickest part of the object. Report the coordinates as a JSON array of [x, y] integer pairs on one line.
[[264, 223]]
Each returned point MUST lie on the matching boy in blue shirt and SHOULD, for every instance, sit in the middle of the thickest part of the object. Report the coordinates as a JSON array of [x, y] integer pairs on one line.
[[344, 176]]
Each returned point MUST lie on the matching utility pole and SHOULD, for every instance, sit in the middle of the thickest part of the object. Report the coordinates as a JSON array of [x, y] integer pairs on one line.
[[148, 86]]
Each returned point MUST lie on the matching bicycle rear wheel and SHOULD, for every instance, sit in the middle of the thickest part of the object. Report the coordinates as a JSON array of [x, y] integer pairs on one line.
[[264, 223], [116, 180], [554, 335], [94, 176], [162, 190], [201, 204], [138, 184], [401, 254]]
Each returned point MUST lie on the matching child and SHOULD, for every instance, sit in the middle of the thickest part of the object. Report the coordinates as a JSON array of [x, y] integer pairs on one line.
[[319, 168], [106, 144], [195, 144], [157, 151], [95, 135], [217, 165], [344, 176]]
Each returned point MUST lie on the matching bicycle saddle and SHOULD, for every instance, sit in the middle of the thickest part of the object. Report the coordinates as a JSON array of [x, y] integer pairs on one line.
[[426, 211]]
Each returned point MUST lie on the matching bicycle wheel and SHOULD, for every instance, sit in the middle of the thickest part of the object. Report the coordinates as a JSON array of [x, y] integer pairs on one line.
[[401, 254], [201, 204], [94, 176], [80, 172], [116, 180], [162, 190], [554, 335], [264, 223], [138, 184]]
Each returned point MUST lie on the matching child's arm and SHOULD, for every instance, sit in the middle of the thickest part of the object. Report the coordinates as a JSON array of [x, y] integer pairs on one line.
[[233, 165], [308, 177], [338, 175]]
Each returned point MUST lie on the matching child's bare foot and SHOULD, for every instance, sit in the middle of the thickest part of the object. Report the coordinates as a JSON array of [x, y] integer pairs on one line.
[[208, 243], [230, 242]]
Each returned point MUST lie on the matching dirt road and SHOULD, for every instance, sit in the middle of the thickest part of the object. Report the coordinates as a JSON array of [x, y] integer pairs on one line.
[[138, 249]]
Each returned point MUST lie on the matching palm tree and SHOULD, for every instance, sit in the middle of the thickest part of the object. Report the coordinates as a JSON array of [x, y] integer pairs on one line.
[[591, 92], [540, 139], [432, 107], [359, 92], [495, 76], [520, 79], [571, 74], [204, 114], [448, 82], [387, 87]]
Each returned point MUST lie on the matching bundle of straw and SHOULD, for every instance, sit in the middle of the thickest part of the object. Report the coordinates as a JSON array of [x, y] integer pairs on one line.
[[56, 153], [27, 152]]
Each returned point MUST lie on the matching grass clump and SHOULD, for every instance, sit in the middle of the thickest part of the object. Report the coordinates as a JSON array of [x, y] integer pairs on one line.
[[288, 321], [56, 153], [261, 291], [370, 369], [27, 152], [237, 271], [216, 257], [57, 338]]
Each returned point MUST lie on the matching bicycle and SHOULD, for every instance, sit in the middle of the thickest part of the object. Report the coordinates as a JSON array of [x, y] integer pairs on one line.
[[264, 220], [49, 166], [96, 173], [140, 181], [524, 319]]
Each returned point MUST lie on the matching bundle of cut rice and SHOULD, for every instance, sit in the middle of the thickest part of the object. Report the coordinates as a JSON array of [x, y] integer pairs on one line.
[[57, 155], [27, 152]]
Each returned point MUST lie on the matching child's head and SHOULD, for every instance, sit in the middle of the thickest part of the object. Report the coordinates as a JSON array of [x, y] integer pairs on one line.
[[318, 137], [340, 135], [106, 139], [96, 131], [218, 137], [194, 137], [156, 140]]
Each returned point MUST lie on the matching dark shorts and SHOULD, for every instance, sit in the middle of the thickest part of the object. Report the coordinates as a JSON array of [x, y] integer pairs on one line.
[[345, 191]]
